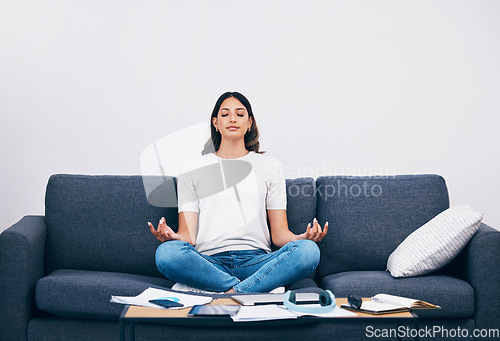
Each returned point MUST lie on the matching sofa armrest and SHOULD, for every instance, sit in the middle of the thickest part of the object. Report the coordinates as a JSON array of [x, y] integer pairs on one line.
[[22, 255], [482, 271]]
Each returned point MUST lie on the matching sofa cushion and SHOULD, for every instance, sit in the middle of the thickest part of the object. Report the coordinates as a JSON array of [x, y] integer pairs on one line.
[[300, 203], [99, 223], [370, 216], [300, 206], [305, 283], [435, 244], [87, 294], [455, 296]]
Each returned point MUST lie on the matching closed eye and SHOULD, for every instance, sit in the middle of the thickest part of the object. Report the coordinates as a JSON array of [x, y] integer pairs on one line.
[[240, 112]]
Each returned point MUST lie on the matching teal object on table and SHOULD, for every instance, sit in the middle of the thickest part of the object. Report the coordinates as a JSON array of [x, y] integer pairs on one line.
[[326, 300]]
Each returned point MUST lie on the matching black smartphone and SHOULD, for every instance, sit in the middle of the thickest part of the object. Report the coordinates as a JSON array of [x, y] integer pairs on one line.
[[214, 310], [166, 303]]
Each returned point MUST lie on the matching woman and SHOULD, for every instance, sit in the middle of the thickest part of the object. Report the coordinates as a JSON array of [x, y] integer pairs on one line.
[[223, 242]]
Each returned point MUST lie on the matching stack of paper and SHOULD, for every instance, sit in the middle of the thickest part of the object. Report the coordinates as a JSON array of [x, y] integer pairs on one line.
[[152, 294], [263, 313], [278, 312], [337, 312]]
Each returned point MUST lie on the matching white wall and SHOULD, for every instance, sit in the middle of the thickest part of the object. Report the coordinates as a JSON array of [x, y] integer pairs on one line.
[[339, 87]]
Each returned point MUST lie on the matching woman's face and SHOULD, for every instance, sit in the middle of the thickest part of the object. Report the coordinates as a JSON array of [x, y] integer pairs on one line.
[[232, 119]]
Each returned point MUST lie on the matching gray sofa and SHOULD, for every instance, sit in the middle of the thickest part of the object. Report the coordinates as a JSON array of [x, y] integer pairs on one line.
[[58, 271]]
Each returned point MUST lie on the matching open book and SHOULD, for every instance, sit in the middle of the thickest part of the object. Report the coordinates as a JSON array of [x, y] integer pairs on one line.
[[388, 304]]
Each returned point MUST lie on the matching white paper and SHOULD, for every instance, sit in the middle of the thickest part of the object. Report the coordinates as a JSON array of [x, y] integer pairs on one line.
[[337, 312], [262, 313], [401, 301], [152, 294], [278, 312], [379, 306], [394, 300]]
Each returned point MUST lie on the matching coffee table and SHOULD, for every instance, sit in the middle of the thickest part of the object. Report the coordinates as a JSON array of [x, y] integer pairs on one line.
[[136, 314]]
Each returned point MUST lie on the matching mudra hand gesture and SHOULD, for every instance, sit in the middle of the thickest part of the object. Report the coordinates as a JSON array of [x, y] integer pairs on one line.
[[314, 233], [164, 232]]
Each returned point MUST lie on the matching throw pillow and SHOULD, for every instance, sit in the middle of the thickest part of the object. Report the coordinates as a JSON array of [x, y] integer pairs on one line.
[[435, 243]]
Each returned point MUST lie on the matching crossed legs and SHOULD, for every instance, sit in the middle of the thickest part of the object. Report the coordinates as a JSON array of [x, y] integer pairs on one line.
[[243, 271]]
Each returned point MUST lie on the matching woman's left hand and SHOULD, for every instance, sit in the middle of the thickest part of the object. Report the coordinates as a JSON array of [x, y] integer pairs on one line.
[[314, 232]]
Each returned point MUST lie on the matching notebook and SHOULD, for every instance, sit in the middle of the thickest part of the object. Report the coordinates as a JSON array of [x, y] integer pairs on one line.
[[387, 304]]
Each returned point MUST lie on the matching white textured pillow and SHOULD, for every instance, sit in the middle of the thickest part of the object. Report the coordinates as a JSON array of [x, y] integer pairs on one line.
[[435, 243]]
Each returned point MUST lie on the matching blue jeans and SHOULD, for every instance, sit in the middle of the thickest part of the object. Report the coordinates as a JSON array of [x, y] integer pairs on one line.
[[244, 271]]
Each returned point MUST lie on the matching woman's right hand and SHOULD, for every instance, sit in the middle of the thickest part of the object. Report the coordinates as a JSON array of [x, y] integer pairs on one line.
[[164, 233]]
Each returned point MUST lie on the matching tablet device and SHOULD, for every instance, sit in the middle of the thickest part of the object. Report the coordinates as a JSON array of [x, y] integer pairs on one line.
[[214, 310]]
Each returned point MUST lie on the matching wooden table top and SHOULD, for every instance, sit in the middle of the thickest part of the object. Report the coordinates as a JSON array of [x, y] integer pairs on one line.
[[146, 312]]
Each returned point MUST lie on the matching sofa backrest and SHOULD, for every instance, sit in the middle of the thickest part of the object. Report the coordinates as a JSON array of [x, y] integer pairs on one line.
[[99, 223], [370, 216], [300, 203]]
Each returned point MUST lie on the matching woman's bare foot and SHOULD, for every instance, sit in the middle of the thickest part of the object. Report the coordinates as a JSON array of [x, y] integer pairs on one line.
[[230, 291]]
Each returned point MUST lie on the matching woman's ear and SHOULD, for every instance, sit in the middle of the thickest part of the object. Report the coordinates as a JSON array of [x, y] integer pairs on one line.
[[214, 122]]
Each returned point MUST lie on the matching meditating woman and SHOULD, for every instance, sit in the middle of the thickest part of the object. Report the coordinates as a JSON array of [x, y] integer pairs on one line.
[[223, 242]]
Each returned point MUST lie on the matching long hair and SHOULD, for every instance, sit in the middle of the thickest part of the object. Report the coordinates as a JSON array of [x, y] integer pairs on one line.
[[251, 137]]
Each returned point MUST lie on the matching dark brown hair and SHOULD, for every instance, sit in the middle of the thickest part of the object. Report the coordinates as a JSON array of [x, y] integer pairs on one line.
[[251, 137]]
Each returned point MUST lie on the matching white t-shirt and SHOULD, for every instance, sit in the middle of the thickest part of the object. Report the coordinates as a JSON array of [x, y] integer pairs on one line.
[[232, 196]]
